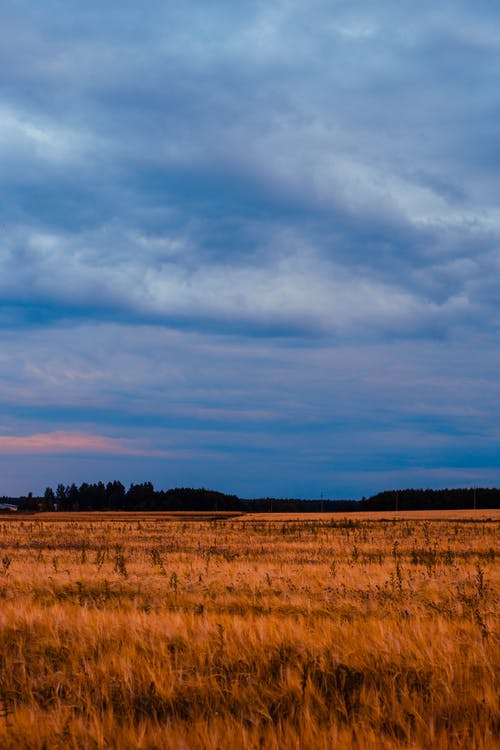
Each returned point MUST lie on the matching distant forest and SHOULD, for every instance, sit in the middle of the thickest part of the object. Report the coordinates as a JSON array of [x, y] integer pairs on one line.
[[114, 496]]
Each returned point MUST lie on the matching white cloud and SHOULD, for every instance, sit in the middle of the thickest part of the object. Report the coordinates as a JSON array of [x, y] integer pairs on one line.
[[29, 135], [163, 278]]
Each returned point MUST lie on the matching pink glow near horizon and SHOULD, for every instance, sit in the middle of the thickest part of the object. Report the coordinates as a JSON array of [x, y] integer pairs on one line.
[[67, 442]]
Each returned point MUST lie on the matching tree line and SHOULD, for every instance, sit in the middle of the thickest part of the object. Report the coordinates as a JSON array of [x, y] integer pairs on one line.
[[114, 496]]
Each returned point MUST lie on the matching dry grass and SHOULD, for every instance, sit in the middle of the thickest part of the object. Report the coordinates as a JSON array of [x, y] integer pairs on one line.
[[259, 632], [492, 514]]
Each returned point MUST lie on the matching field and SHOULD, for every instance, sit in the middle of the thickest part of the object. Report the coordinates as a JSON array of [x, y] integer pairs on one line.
[[192, 632]]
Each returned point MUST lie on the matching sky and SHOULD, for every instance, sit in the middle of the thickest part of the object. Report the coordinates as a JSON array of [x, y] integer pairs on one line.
[[250, 246]]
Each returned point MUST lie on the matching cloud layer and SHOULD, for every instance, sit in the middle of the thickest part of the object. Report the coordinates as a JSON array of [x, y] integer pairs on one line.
[[251, 239]]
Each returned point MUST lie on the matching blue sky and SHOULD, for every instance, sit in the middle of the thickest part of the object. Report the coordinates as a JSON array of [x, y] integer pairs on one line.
[[251, 246]]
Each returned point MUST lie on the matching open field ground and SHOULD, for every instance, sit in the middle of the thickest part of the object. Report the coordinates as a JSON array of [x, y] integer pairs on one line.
[[190, 515], [128, 516], [318, 632], [383, 515]]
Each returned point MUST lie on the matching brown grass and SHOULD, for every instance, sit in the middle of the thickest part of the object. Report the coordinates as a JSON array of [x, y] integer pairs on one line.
[[384, 515], [253, 632]]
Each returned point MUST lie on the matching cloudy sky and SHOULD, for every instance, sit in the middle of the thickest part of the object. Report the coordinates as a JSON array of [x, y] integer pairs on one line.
[[252, 246]]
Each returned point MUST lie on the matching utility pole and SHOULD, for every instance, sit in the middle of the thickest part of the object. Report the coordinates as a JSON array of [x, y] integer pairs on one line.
[[397, 501], [475, 498], [322, 507]]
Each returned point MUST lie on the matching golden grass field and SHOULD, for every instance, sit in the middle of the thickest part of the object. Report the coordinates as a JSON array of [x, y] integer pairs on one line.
[[298, 632]]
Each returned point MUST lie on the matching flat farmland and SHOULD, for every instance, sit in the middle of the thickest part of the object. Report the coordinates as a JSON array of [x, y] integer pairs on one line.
[[254, 631]]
